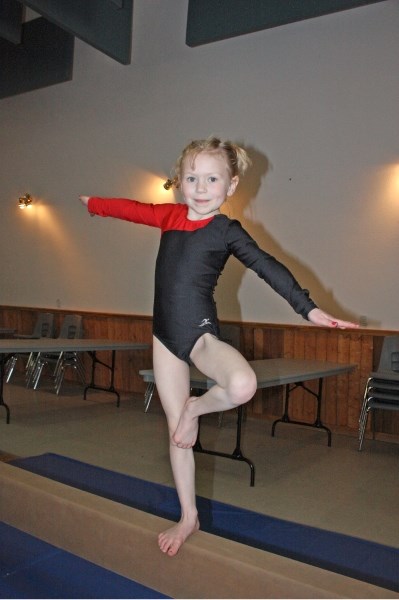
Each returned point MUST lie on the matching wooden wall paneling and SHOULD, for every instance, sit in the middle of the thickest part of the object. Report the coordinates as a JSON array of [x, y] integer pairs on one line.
[[258, 342], [332, 337], [299, 343], [289, 343], [321, 345], [312, 340], [273, 343], [247, 337]]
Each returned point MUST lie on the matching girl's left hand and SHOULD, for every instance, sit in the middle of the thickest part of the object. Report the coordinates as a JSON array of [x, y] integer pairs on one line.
[[322, 319]]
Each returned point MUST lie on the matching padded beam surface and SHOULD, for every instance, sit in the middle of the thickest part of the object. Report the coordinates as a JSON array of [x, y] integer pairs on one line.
[[11, 20], [44, 58], [211, 21], [124, 540], [104, 24]]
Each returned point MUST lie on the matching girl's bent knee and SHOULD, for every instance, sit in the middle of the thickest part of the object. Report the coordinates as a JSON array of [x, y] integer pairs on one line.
[[242, 387]]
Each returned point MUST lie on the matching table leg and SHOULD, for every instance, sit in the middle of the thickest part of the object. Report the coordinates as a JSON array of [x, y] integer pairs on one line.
[[93, 386], [317, 423], [148, 394], [236, 454], [3, 360]]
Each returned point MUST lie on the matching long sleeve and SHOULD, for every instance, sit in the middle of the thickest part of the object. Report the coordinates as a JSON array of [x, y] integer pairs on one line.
[[130, 210], [268, 268]]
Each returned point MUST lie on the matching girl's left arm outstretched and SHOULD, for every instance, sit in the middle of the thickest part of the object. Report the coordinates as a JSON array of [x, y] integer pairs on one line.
[[323, 319]]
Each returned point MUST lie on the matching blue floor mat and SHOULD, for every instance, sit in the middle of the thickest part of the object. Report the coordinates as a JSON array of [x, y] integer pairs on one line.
[[31, 568], [367, 561]]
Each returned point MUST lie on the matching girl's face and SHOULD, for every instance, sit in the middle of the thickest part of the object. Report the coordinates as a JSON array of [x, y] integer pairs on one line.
[[206, 184]]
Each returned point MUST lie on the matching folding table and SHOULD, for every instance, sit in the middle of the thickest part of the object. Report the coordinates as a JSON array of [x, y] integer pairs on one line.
[[270, 372], [13, 346]]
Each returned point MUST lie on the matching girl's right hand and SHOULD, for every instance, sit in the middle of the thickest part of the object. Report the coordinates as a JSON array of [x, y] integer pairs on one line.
[[84, 199]]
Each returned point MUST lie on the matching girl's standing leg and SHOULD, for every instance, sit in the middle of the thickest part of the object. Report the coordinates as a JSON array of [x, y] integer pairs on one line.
[[173, 386]]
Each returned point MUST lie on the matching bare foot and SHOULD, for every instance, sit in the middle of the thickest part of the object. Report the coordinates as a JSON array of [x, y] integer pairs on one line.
[[171, 540], [186, 432]]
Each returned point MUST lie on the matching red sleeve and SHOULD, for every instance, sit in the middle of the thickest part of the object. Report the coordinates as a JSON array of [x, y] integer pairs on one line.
[[131, 210]]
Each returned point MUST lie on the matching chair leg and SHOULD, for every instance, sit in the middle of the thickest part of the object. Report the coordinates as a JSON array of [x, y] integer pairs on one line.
[[58, 365], [33, 362], [148, 394], [37, 373], [362, 428], [362, 416], [76, 363], [30, 362], [59, 380], [10, 366]]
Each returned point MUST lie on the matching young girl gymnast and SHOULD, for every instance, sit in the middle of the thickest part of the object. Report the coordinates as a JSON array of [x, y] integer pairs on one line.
[[196, 241]]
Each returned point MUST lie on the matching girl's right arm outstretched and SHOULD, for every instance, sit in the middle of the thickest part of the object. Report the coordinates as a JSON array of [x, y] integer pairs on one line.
[[127, 210]]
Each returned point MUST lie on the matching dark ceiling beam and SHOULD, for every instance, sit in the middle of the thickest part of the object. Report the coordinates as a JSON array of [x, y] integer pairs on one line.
[[11, 13], [214, 20], [44, 57], [104, 24]]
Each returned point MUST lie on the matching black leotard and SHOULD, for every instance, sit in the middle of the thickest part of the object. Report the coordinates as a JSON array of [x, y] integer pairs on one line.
[[191, 257]]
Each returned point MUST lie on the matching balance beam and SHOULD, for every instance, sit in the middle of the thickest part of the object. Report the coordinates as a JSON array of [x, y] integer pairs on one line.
[[124, 540]]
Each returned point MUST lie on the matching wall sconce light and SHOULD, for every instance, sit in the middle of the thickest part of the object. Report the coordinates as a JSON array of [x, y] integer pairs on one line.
[[170, 183], [25, 201]]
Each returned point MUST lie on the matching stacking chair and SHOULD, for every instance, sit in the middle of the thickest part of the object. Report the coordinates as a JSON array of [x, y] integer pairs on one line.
[[71, 328], [44, 327], [382, 386]]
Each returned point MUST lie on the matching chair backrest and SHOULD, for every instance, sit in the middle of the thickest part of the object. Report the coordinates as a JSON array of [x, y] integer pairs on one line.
[[389, 359], [231, 335], [71, 327], [44, 326]]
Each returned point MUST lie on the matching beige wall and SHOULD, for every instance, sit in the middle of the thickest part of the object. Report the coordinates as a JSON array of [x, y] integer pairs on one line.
[[316, 103]]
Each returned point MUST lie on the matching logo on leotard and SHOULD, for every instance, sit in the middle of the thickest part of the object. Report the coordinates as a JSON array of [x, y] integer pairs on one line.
[[205, 322]]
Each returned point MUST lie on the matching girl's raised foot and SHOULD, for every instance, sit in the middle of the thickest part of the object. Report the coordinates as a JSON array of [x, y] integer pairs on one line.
[[186, 432]]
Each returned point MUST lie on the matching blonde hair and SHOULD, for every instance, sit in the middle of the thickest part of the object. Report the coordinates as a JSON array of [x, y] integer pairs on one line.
[[237, 159]]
